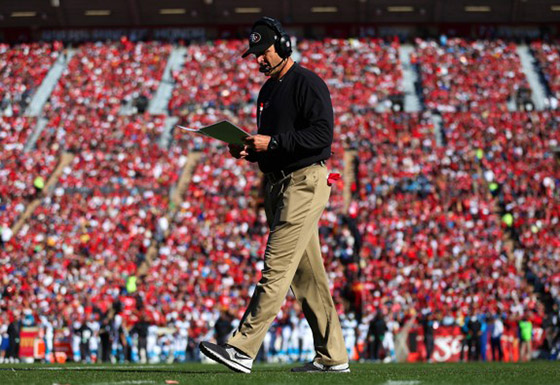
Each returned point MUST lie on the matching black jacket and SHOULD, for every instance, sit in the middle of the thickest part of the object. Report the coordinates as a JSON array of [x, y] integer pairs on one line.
[[297, 111]]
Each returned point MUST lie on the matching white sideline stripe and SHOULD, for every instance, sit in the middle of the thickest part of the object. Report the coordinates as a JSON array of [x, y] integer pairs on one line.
[[113, 367], [125, 382], [401, 382]]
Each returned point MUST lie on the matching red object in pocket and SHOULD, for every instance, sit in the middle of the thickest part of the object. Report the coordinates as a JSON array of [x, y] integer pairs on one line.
[[333, 177]]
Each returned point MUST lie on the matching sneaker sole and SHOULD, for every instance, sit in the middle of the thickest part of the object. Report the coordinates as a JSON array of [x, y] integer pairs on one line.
[[230, 364], [339, 371]]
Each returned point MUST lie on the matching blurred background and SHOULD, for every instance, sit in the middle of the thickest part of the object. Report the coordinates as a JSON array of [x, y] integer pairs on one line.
[[124, 240]]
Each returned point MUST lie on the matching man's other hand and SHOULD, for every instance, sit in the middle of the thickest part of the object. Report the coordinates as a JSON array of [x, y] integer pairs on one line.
[[259, 143], [237, 151]]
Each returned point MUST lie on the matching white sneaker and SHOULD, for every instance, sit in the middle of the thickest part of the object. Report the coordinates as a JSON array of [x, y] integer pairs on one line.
[[227, 355], [316, 367]]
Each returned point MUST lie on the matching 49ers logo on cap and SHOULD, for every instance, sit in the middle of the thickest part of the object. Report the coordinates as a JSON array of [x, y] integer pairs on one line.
[[255, 37]]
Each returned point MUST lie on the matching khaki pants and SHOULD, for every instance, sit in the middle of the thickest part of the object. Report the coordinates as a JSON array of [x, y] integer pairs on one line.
[[293, 259]]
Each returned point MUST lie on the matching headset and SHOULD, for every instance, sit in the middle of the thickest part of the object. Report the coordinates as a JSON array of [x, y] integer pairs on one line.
[[282, 43]]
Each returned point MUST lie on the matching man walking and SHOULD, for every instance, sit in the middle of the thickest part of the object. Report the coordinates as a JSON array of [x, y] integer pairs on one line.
[[295, 133]]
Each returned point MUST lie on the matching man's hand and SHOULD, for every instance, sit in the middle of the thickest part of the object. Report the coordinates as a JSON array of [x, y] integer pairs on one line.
[[237, 151], [259, 143]]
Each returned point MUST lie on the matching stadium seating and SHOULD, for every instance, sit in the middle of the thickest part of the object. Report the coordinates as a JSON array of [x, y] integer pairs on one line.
[[469, 75], [215, 76], [22, 69], [18, 169], [423, 231], [547, 55], [104, 77], [361, 73]]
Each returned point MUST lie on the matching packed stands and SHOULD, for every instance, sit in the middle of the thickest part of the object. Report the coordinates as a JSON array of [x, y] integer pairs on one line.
[[431, 239], [517, 153], [22, 69], [424, 232], [459, 74], [215, 76], [361, 73], [105, 211], [19, 169], [547, 55], [105, 76]]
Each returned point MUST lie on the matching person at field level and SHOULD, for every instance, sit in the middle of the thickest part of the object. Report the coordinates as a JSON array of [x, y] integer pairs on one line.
[[526, 335], [428, 327], [295, 132], [466, 342], [140, 328], [223, 327], [376, 333], [483, 336], [475, 328], [14, 329], [496, 329]]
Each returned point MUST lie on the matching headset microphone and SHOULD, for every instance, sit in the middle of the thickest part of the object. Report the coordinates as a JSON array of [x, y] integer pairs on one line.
[[265, 68]]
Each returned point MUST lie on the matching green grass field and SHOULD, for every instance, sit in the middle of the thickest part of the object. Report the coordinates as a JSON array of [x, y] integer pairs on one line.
[[199, 374]]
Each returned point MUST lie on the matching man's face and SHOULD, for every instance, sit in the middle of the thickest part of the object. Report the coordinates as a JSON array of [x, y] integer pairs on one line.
[[268, 59]]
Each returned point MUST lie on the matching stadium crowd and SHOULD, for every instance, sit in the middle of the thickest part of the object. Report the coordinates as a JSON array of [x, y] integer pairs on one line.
[[546, 55], [106, 76], [20, 170], [213, 78], [361, 73], [458, 74], [453, 227], [22, 69]]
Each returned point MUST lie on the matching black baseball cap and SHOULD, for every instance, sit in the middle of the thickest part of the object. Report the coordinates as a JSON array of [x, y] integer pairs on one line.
[[261, 37]]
